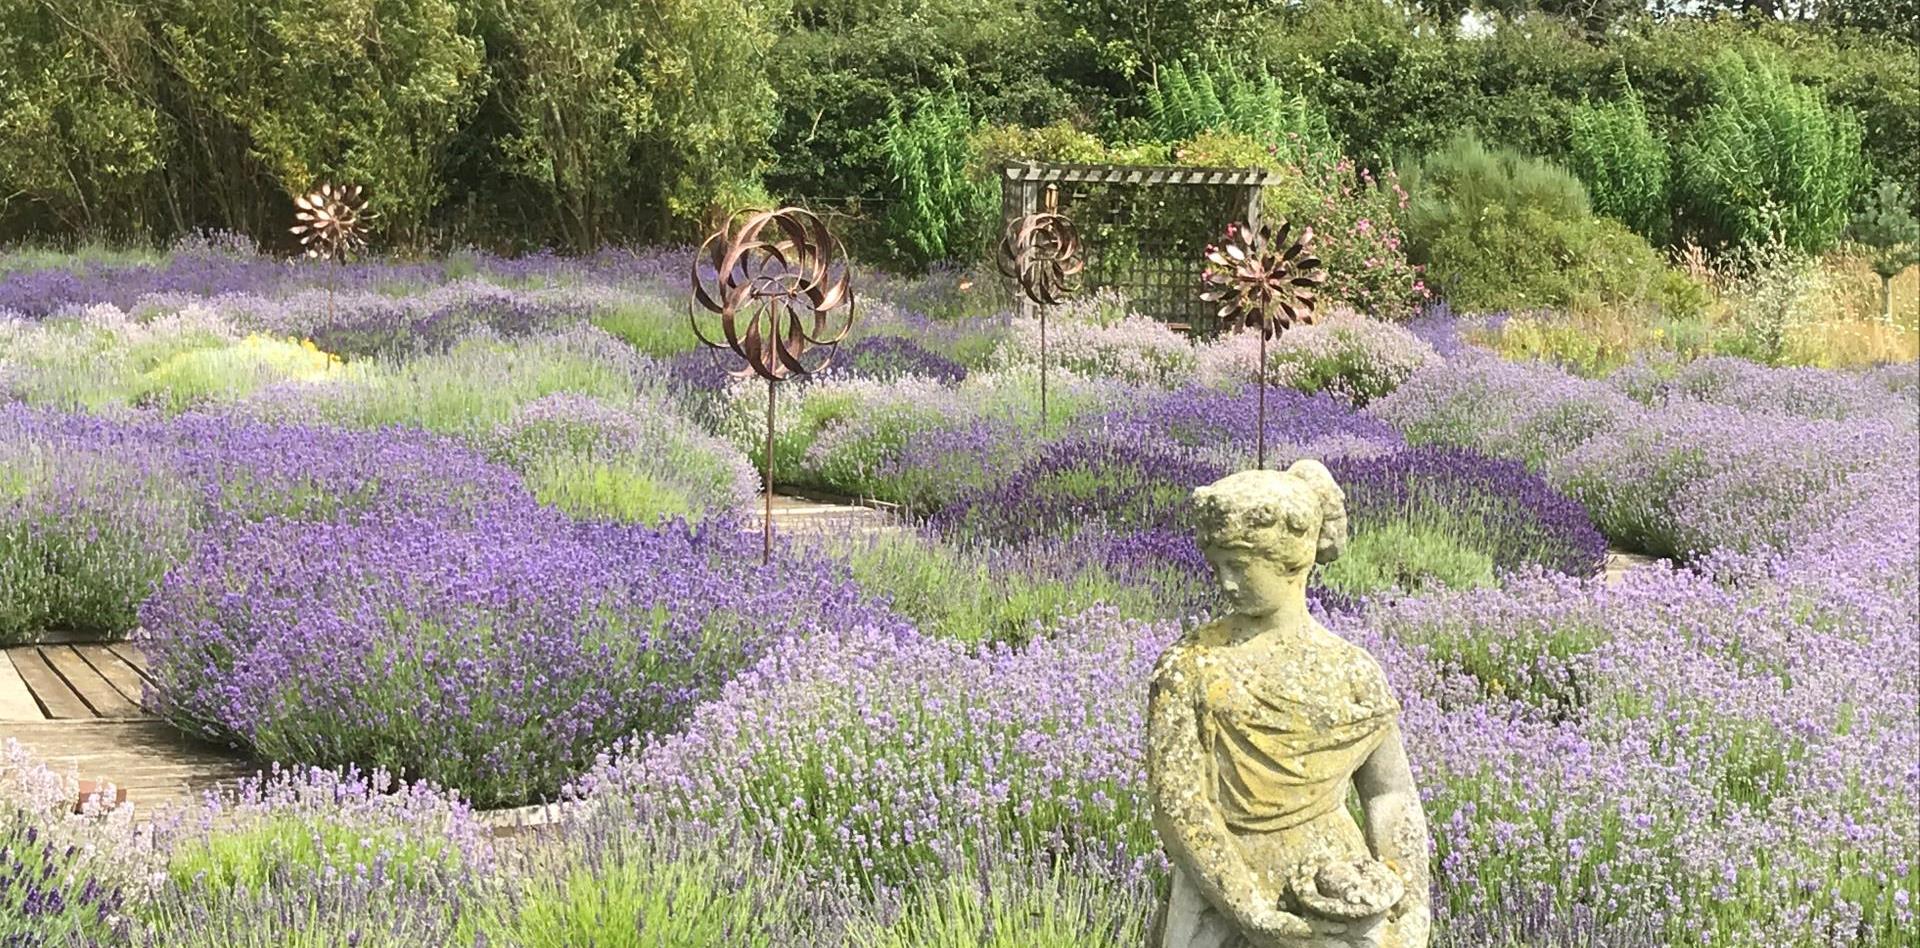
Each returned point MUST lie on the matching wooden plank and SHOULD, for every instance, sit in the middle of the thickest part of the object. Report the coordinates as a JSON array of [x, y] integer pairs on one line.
[[130, 654], [122, 676], [55, 698], [16, 702], [92, 687]]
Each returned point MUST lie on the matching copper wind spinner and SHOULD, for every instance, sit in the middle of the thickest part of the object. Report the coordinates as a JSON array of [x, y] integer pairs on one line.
[[1261, 281], [776, 282], [1041, 254], [329, 221], [781, 287]]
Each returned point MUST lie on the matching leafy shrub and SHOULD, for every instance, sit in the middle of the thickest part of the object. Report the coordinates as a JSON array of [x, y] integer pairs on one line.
[[945, 200], [260, 114], [1768, 153], [1623, 163], [1358, 220], [1885, 224], [1187, 100], [1498, 230], [616, 121]]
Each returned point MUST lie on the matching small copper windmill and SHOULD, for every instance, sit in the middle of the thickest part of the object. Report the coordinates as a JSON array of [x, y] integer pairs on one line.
[[778, 282], [1260, 280], [329, 221]]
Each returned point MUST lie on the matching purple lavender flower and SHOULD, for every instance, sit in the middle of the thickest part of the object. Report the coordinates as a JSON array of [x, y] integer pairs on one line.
[[495, 656]]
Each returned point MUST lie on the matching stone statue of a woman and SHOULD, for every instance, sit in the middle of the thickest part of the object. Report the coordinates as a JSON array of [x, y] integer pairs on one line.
[[1260, 725]]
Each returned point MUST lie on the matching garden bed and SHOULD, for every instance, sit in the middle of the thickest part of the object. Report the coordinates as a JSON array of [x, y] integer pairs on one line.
[[500, 541]]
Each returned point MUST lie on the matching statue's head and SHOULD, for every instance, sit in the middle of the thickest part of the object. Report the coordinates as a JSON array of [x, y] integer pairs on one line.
[[1261, 530]]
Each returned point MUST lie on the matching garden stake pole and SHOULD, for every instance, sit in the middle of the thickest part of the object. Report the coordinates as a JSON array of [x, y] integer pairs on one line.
[[1045, 418], [1260, 433], [766, 528], [1041, 254]]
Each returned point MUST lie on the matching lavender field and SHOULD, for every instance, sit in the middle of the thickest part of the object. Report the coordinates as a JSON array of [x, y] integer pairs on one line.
[[432, 538]]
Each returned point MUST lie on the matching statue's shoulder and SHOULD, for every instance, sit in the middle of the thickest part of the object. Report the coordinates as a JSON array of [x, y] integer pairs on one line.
[[1369, 682], [1366, 680], [1177, 664]]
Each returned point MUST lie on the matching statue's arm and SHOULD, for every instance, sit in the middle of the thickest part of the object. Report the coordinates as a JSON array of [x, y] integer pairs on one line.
[[1189, 823], [1396, 824]]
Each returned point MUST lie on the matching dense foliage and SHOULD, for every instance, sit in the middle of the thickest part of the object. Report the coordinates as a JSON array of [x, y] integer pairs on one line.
[[573, 123], [1496, 230]]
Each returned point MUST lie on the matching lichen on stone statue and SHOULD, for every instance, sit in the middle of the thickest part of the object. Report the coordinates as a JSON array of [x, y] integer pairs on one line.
[[1261, 725]]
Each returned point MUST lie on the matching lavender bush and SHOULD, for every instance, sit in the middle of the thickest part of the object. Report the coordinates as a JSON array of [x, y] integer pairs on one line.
[[66, 878], [495, 656], [594, 458], [1342, 352], [315, 856], [98, 508], [1136, 349], [888, 357], [1679, 478], [1038, 748], [1491, 508]]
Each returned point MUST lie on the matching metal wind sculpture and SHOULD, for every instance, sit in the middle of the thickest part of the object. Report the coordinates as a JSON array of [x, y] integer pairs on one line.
[[329, 225], [1262, 281], [1041, 253], [777, 282]]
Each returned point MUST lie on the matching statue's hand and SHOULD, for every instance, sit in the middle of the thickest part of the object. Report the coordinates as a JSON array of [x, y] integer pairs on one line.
[[1277, 929]]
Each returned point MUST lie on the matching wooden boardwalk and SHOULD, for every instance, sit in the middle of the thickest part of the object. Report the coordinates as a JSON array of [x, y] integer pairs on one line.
[[76, 706], [72, 681]]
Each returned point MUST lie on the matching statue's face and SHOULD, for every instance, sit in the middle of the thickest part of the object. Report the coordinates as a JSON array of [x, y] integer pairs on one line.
[[1251, 582]]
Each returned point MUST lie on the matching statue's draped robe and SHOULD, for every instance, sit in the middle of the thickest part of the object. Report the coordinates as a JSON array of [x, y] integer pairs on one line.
[[1283, 756], [1282, 746]]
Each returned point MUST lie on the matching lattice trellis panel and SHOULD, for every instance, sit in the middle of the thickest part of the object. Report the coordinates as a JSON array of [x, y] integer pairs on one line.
[[1143, 228]]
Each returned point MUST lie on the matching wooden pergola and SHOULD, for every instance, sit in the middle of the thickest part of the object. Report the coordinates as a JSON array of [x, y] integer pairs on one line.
[[1143, 227]]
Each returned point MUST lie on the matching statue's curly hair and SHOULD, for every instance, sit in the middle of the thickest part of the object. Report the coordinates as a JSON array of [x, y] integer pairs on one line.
[[1234, 508]]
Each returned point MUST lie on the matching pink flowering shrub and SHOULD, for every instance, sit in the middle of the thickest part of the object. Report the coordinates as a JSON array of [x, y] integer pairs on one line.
[[1357, 219]]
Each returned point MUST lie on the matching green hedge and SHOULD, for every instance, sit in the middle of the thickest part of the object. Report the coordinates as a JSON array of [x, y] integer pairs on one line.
[[517, 123]]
